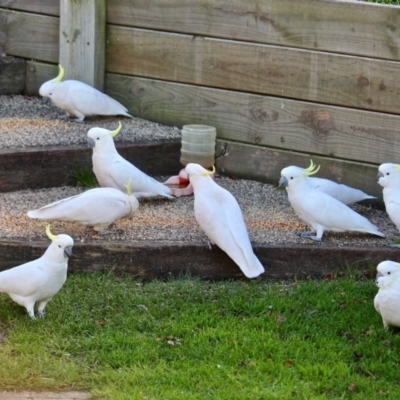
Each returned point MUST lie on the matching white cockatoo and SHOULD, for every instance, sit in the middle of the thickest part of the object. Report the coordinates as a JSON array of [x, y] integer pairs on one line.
[[114, 171], [319, 210], [219, 215], [345, 194], [79, 99], [389, 179], [387, 300], [98, 207], [40, 280]]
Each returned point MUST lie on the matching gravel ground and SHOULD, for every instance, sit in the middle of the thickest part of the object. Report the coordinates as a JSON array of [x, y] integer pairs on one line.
[[27, 122]]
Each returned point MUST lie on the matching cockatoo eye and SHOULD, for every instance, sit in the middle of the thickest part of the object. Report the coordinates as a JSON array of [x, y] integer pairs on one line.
[[59, 246], [98, 138], [389, 273], [387, 173], [291, 177]]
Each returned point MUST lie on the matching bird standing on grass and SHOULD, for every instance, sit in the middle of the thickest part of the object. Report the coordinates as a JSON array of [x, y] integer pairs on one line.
[[114, 171], [40, 280], [319, 210], [79, 99], [219, 215], [387, 300]]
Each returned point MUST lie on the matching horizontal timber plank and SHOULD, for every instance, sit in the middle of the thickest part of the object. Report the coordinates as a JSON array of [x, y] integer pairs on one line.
[[265, 165], [49, 7], [52, 167], [155, 260], [29, 35], [285, 72], [343, 27], [268, 121]]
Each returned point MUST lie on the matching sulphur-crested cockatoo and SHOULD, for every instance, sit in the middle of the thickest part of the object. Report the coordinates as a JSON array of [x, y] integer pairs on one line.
[[113, 171], [389, 178], [319, 210], [219, 215], [40, 280], [98, 207], [345, 194], [79, 99], [387, 300]]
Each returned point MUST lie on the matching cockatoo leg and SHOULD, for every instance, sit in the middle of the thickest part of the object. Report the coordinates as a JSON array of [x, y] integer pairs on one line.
[[41, 308], [31, 311], [80, 116]]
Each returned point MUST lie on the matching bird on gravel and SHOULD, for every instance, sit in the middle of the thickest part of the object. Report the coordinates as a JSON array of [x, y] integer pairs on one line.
[[79, 99], [319, 210], [98, 207], [114, 171], [40, 280], [345, 194], [387, 300], [389, 179], [219, 215]]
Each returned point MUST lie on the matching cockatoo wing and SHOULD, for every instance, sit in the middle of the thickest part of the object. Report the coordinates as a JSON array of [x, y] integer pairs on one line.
[[343, 193], [22, 280], [220, 216], [316, 207], [92, 207], [393, 210], [122, 171], [90, 101]]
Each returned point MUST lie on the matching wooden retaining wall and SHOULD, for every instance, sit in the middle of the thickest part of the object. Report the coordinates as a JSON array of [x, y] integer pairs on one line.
[[281, 80]]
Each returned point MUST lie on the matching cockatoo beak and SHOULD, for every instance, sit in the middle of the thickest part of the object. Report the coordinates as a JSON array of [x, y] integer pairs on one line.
[[380, 175], [91, 142], [45, 100], [68, 251], [283, 182]]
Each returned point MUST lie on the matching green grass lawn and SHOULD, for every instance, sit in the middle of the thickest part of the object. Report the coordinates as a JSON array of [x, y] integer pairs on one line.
[[190, 339]]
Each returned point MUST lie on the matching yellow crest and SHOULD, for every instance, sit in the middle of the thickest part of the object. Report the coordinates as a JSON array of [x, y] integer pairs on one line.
[[206, 173], [311, 170], [116, 131], [397, 168], [49, 234], [60, 75], [128, 187]]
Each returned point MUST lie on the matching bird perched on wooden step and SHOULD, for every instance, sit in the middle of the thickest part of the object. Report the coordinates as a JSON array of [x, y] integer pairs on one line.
[[98, 207], [114, 171], [79, 99], [389, 179], [40, 280], [387, 299], [319, 210], [219, 215]]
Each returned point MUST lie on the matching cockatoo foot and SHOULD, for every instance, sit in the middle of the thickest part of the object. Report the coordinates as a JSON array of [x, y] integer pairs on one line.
[[41, 313], [305, 234], [396, 246]]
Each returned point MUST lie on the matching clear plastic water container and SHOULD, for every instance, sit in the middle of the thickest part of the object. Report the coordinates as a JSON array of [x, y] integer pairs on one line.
[[198, 145]]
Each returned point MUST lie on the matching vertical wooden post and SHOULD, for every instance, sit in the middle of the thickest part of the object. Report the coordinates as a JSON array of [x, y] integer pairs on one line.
[[82, 40]]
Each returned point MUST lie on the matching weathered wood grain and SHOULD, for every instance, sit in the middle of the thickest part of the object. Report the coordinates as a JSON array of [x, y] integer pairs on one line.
[[49, 7], [82, 40], [51, 167], [36, 74], [29, 35], [265, 165], [268, 121], [342, 27], [153, 260], [12, 75], [285, 72]]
